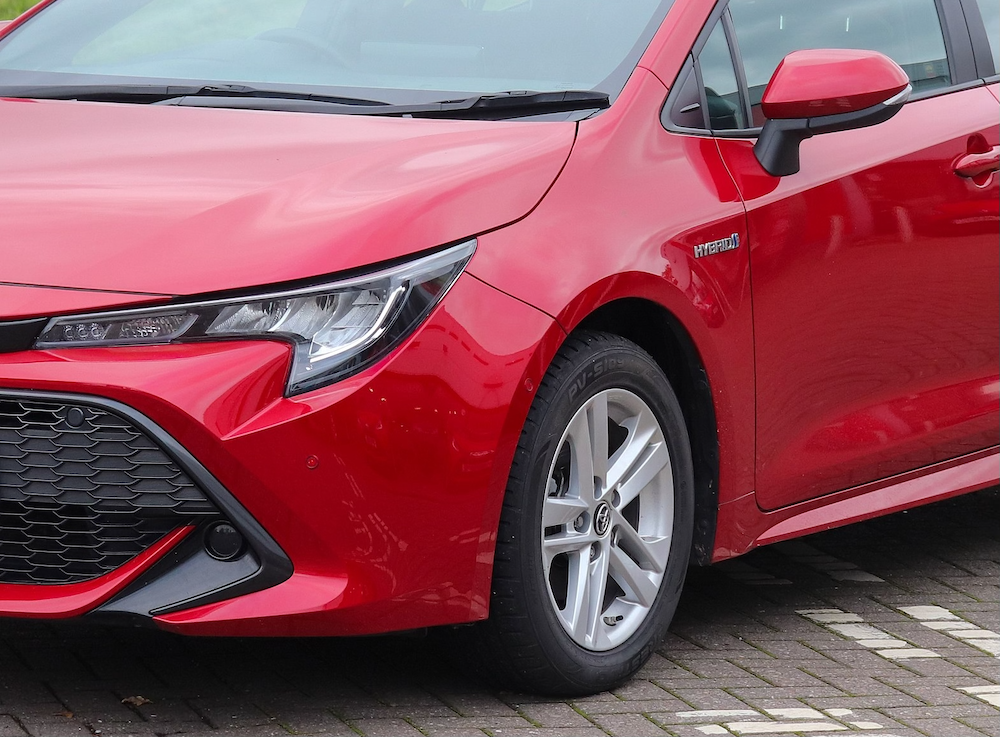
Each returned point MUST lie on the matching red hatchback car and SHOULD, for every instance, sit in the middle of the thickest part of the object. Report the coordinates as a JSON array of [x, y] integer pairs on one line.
[[336, 317]]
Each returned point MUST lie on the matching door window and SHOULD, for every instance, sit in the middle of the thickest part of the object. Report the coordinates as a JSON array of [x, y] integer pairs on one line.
[[990, 10], [907, 31], [722, 91]]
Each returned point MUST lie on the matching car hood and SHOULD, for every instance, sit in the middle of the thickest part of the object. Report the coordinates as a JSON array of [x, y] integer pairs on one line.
[[165, 200]]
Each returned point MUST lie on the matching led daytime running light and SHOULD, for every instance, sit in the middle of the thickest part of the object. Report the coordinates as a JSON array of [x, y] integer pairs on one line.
[[336, 329]]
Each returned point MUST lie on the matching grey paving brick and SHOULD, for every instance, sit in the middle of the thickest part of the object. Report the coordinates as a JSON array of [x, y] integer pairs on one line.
[[988, 725], [937, 695], [641, 689], [952, 711], [708, 698], [55, 728], [9, 727], [780, 675], [881, 701], [629, 725], [313, 721], [481, 705], [667, 703], [385, 728], [444, 726], [946, 728], [756, 696], [229, 713], [554, 715]]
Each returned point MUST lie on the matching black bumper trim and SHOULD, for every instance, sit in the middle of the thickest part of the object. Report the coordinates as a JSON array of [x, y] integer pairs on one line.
[[21, 335]]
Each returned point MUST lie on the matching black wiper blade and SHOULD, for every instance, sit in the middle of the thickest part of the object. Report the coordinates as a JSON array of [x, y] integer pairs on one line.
[[98, 92], [497, 105], [480, 107], [170, 93], [257, 93], [506, 104]]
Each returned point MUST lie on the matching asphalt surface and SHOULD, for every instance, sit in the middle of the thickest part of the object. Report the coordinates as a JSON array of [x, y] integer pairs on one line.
[[891, 627]]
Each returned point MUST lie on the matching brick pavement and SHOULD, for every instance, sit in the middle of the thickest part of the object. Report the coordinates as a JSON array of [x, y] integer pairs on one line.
[[889, 628]]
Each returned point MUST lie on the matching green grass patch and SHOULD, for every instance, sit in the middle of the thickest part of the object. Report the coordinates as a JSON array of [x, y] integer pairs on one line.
[[13, 8]]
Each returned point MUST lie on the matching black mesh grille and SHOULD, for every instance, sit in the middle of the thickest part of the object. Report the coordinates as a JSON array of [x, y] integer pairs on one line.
[[83, 491]]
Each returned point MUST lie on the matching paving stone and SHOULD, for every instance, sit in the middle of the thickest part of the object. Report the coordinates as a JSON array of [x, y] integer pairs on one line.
[[988, 725], [55, 728], [945, 728], [641, 689], [445, 726], [780, 675], [554, 715], [645, 706], [315, 721], [554, 732], [938, 695], [756, 696], [385, 728], [708, 698], [9, 727], [952, 711], [629, 725], [480, 706]]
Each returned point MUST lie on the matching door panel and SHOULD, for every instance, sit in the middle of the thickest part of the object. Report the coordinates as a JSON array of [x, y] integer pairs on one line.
[[876, 300]]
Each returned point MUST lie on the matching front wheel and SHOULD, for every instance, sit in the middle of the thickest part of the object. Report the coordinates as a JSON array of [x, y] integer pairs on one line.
[[596, 526]]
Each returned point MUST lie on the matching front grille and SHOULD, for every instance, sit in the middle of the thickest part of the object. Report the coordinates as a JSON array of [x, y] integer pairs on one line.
[[83, 490]]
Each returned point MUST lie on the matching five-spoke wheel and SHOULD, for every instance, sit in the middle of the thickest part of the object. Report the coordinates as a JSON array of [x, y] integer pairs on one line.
[[607, 519]]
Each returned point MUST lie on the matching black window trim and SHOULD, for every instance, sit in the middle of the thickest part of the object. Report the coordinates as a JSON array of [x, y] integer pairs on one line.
[[957, 29], [737, 56], [980, 40]]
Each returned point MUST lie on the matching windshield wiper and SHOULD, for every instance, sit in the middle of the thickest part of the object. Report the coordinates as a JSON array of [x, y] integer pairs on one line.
[[498, 105], [480, 107], [509, 104], [170, 93]]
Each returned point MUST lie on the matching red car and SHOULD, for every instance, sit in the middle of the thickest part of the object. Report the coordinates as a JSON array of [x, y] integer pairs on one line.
[[337, 317]]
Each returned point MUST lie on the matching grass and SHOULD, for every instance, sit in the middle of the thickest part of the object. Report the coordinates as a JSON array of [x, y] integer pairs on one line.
[[13, 8]]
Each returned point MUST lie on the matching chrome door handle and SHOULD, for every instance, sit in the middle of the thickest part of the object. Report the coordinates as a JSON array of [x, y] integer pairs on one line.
[[975, 165]]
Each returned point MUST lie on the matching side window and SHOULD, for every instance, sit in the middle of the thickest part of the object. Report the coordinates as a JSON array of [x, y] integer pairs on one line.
[[990, 10], [722, 91], [907, 31], [718, 93]]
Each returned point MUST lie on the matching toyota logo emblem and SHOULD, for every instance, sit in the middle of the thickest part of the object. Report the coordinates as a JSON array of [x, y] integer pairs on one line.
[[602, 519]]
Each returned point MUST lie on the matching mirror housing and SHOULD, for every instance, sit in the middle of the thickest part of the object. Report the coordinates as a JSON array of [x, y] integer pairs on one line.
[[823, 91]]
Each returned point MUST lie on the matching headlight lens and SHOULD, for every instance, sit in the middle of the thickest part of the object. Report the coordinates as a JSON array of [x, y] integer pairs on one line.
[[337, 329]]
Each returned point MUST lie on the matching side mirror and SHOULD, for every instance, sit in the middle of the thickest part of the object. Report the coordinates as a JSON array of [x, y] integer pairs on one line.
[[822, 91]]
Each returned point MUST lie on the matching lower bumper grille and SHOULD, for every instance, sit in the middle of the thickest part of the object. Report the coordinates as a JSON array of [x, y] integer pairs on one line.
[[83, 491]]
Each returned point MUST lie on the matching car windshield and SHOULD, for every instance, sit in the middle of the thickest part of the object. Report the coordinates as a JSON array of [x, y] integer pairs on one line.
[[395, 51]]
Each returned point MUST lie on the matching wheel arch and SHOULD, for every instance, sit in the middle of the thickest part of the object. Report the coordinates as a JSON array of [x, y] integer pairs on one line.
[[661, 334]]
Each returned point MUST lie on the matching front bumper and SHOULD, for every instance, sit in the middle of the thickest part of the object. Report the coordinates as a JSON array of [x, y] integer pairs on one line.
[[368, 506]]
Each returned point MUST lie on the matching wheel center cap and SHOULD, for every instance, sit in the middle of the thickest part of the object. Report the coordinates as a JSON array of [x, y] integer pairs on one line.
[[602, 519]]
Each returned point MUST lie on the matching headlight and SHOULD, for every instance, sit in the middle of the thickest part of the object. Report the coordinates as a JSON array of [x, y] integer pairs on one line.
[[336, 329]]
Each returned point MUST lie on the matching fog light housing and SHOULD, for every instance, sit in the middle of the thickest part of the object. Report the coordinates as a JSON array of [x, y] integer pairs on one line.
[[224, 542]]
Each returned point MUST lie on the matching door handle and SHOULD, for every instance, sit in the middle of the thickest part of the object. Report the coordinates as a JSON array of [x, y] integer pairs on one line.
[[971, 166]]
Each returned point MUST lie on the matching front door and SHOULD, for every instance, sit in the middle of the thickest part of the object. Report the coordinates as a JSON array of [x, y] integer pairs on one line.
[[874, 269]]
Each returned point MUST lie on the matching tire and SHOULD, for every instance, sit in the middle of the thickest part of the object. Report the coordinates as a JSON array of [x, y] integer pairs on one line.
[[587, 576]]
